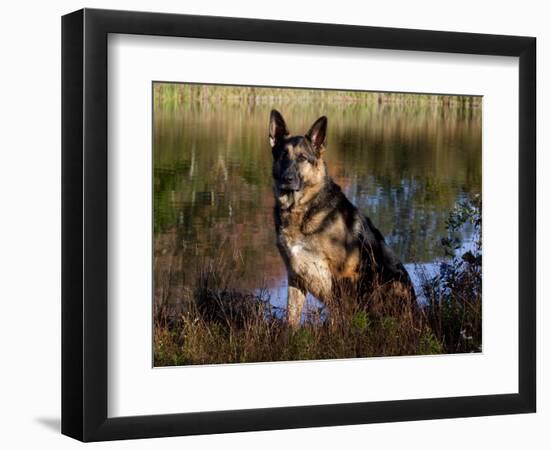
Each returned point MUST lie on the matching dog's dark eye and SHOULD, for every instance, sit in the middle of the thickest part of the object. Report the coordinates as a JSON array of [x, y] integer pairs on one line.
[[302, 158]]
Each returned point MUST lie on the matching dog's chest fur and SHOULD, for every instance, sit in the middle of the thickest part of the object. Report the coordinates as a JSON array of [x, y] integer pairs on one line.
[[303, 255], [291, 237], [316, 257]]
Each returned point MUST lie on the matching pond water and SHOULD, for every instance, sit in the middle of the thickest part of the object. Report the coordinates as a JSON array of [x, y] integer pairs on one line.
[[405, 166]]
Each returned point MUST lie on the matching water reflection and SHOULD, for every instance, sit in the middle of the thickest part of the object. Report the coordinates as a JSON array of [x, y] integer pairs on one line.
[[404, 166]]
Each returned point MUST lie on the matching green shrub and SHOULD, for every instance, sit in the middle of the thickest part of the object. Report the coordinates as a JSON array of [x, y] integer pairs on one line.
[[454, 293]]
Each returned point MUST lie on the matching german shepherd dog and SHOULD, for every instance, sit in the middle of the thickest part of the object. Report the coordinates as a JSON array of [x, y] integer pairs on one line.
[[325, 242]]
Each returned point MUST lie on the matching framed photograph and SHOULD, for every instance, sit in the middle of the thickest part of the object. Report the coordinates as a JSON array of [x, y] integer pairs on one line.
[[273, 224]]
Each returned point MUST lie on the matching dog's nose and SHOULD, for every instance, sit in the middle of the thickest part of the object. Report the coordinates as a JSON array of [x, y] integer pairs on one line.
[[288, 178]]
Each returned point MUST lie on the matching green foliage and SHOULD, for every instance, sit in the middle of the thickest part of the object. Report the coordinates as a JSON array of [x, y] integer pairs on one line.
[[360, 322], [301, 344], [429, 344], [389, 326], [454, 294]]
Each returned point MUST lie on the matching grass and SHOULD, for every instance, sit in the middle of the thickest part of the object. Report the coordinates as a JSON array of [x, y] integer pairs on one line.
[[204, 94], [227, 326], [218, 323], [224, 325]]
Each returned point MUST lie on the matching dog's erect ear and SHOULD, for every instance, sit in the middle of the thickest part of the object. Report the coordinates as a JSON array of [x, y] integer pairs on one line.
[[277, 128], [317, 134]]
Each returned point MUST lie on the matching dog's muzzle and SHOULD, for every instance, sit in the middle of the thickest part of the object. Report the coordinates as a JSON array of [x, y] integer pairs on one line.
[[290, 182]]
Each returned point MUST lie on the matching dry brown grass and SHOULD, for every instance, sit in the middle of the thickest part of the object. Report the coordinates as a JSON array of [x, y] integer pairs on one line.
[[220, 324]]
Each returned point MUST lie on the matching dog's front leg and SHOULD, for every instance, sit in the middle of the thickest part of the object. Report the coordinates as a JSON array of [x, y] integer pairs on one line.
[[295, 303]]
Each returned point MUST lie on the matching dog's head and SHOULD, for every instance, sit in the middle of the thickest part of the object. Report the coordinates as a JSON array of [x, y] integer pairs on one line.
[[297, 160]]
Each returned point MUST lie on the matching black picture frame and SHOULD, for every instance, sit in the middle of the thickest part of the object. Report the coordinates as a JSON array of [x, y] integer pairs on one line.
[[84, 224]]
